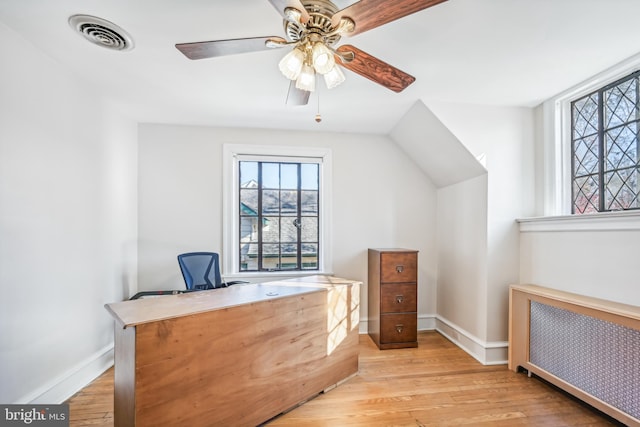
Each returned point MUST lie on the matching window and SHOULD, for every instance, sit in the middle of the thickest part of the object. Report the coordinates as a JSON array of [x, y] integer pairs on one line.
[[605, 142], [276, 212], [278, 215]]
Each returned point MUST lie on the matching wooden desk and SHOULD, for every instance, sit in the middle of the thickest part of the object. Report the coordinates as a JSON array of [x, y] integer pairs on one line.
[[233, 356]]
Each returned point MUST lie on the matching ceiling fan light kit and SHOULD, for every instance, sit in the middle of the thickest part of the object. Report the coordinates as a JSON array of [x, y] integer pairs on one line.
[[322, 58], [307, 79], [303, 62], [334, 77], [314, 27], [291, 65]]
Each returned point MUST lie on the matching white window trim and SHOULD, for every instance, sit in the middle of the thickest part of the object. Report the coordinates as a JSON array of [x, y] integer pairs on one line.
[[231, 154], [601, 221], [556, 139]]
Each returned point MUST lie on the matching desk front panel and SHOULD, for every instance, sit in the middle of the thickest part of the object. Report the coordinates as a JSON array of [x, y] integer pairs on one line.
[[240, 365]]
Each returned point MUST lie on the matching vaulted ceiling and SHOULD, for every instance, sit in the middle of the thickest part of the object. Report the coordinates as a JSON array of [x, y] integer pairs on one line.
[[495, 52]]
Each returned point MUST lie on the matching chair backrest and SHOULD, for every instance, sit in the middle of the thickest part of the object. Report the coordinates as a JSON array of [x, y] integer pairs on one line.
[[200, 270]]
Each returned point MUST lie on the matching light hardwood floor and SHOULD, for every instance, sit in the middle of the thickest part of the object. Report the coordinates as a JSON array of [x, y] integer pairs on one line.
[[436, 384]]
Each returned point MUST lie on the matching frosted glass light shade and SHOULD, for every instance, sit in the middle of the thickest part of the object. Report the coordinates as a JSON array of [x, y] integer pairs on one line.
[[307, 79], [334, 77], [323, 60], [291, 64]]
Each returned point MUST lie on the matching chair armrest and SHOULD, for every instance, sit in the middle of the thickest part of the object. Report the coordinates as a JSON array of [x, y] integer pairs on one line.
[[158, 293], [234, 282]]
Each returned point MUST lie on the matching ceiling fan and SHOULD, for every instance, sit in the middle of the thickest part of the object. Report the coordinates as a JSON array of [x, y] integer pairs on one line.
[[313, 28]]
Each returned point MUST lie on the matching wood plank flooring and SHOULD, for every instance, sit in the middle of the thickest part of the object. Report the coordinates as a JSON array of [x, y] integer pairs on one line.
[[436, 384]]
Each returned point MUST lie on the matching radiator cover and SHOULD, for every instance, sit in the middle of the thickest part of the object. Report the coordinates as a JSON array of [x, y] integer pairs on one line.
[[599, 357]]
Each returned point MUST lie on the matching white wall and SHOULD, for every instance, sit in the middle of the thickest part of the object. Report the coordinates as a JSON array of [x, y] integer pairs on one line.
[[503, 138], [462, 256], [380, 199], [67, 225], [598, 263]]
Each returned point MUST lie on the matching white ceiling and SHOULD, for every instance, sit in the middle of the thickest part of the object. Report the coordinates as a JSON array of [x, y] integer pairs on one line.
[[494, 52]]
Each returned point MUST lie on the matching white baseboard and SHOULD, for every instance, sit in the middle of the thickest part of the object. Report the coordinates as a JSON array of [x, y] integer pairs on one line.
[[426, 322], [62, 388], [487, 353]]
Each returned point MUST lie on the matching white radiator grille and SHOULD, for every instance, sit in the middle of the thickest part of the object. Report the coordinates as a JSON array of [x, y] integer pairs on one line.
[[599, 357]]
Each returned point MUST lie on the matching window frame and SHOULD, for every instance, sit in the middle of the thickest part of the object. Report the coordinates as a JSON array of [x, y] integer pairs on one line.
[[555, 154], [259, 219], [231, 156], [602, 130]]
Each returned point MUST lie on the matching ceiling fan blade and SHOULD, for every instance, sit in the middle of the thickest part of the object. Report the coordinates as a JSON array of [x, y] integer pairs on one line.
[[210, 49], [369, 14], [374, 69], [296, 96], [281, 5]]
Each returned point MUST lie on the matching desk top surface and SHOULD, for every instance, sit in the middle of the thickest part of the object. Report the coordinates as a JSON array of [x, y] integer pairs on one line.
[[146, 310]]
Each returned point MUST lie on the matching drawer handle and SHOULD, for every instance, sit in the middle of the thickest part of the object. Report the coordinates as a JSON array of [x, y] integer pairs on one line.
[[399, 268], [399, 328], [399, 299]]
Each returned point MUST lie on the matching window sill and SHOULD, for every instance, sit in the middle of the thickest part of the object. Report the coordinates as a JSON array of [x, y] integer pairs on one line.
[[258, 277], [606, 221]]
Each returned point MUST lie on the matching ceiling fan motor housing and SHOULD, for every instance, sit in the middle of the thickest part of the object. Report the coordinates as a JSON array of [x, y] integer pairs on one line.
[[319, 24]]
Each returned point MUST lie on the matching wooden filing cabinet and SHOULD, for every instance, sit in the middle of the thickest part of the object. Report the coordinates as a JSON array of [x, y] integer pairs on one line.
[[393, 298]]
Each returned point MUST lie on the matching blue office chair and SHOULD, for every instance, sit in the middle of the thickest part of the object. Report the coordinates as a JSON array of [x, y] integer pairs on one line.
[[201, 270]]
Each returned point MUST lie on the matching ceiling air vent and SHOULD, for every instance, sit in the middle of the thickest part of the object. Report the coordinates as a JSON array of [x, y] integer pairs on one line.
[[101, 32]]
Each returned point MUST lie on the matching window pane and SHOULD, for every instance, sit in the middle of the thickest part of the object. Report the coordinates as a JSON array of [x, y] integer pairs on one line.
[[309, 202], [289, 257], [585, 116], [289, 176], [585, 194], [271, 229], [289, 202], [621, 189], [249, 257], [270, 256], [309, 176], [270, 175], [620, 103], [289, 230], [309, 256], [248, 229], [270, 202], [248, 174], [309, 229], [621, 147], [248, 202], [585, 160]]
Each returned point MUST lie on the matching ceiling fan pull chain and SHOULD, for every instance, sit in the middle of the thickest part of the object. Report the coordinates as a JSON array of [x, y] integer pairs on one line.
[[318, 116]]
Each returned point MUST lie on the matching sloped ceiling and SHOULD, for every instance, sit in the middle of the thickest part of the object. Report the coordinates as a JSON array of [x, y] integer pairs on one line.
[[440, 155]]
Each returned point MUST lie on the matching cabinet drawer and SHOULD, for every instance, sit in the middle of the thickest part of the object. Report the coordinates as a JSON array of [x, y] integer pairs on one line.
[[398, 267], [398, 328], [398, 298]]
